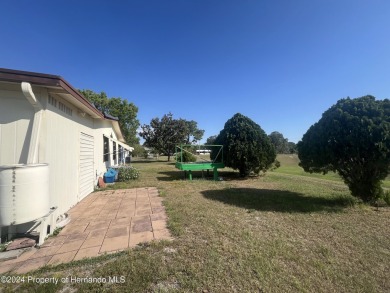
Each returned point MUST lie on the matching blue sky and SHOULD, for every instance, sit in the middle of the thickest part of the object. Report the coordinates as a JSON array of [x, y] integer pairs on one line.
[[281, 63]]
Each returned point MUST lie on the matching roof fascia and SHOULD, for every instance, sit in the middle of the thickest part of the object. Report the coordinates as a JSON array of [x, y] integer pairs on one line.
[[34, 78], [117, 129]]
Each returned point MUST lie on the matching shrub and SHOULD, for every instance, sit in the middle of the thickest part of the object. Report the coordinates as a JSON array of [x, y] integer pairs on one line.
[[57, 231], [351, 138], [145, 154], [127, 173], [386, 197], [246, 146], [3, 247], [138, 150], [185, 157], [275, 165]]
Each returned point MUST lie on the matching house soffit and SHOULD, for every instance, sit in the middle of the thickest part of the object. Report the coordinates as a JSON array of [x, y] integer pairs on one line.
[[54, 84]]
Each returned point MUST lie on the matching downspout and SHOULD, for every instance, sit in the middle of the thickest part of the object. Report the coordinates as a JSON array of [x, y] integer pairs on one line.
[[51, 217], [34, 142], [32, 157]]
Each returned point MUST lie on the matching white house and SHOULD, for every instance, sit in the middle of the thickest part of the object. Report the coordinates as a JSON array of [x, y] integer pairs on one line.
[[54, 145]]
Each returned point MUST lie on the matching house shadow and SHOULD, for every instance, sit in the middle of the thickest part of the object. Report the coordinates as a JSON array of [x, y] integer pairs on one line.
[[277, 200]]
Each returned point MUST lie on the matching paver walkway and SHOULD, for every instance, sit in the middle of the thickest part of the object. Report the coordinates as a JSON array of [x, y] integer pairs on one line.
[[103, 222]]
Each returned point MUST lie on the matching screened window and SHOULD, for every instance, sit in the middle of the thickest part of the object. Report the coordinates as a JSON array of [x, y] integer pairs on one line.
[[114, 151], [106, 149], [120, 154]]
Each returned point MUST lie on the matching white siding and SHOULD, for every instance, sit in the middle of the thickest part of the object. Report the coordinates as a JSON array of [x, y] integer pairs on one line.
[[16, 116], [104, 127], [61, 149], [65, 142], [86, 169]]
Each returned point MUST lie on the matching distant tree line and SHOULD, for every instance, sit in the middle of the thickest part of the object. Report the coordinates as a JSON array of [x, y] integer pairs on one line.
[[281, 144]]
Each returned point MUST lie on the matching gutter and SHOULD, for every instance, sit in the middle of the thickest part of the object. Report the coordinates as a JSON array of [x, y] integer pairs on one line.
[[32, 157], [48, 80]]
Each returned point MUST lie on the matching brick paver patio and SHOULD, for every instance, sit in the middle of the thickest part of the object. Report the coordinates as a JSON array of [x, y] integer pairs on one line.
[[103, 222]]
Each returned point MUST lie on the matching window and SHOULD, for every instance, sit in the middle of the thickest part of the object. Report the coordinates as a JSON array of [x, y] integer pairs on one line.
[[114, 151], [120, 154], [106, 149]]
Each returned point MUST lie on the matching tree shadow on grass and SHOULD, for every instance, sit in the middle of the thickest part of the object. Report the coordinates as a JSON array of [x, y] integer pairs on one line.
[[170, 175], [199, 175], [146, 161], [180, 175], [235, 176], [277, 200]]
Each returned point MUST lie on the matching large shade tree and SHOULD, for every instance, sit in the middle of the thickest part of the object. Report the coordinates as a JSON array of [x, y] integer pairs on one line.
[[352, 138], [126, 113], [246, 146], [163, 134], [194, 134]]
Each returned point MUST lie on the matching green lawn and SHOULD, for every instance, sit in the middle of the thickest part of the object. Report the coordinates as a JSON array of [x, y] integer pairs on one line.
[[289, 165], [283, 232]]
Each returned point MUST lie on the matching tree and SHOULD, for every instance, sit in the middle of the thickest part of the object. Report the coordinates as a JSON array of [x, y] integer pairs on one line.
[[279, 142], [246, 146], [292, 147], [99, 100], [118, 107], [352, 138], [193, 133], [139, 151], [211, 140], [164, 134], [127, 115]]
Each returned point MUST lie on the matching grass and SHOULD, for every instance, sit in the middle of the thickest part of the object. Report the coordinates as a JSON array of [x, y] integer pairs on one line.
[[282, 232], [289, 165]]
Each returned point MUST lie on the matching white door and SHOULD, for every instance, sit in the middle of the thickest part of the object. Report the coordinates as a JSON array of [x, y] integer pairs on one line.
[[86, 165]]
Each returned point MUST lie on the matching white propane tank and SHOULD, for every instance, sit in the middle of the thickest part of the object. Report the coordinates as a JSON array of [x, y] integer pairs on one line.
[[24, 193]]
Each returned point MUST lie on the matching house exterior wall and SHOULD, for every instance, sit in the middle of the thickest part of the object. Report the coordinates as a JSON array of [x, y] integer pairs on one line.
[[59, 141], [104, 128], [60, 147], [16, 115]]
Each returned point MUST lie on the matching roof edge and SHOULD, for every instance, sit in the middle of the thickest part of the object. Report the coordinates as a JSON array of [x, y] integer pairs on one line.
[[110, 117], [43, 79]]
